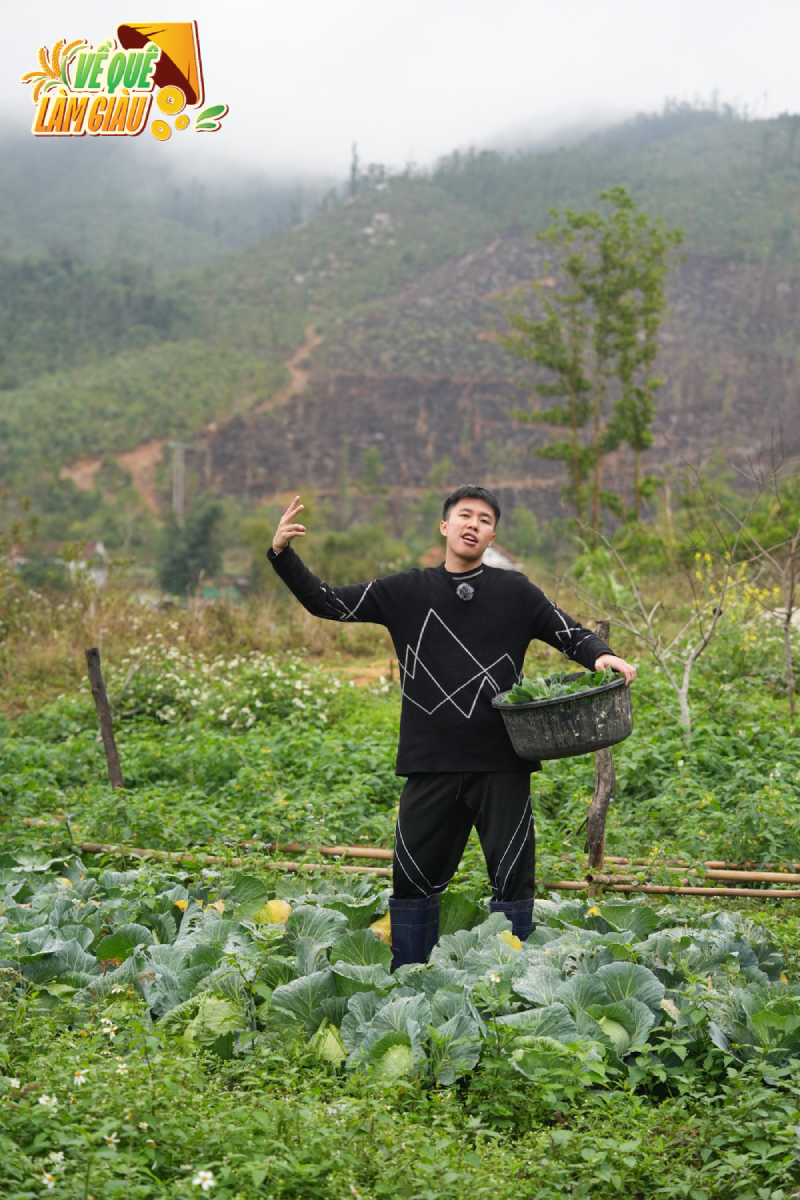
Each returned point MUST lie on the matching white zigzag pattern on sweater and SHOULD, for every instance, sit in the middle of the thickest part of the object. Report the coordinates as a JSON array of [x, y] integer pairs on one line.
[[483, 673]]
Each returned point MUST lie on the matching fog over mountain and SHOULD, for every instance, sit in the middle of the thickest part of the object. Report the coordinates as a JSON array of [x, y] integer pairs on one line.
[[410, 82]]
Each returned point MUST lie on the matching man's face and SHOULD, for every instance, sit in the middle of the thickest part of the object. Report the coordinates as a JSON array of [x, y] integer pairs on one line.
[[469, 528]]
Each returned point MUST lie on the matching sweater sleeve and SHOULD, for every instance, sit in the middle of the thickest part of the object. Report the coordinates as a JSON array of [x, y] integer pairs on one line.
[[552, 625], [365, 602]]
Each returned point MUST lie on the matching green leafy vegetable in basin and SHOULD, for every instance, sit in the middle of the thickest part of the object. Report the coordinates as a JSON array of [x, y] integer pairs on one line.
[[553, 686]]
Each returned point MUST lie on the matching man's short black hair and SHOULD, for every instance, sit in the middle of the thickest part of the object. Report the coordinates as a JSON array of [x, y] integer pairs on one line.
[[472, 491]]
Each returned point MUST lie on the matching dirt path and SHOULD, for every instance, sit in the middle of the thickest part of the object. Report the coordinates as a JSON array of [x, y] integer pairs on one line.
[[143, 461], [298, 376]]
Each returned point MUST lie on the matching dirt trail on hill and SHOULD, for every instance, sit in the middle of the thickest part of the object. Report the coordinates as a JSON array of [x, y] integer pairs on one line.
[[298, 375], [143, 461]]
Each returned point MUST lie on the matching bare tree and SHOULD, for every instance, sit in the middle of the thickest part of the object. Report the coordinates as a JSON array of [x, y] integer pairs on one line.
[[677, 653], [774, 542]]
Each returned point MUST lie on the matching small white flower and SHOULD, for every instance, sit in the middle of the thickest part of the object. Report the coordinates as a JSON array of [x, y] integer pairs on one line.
[[112, 1139], [116, 990], [143, 1125], [56, 1156], [80, 1078], [495, 978], [49, 1102], [204, 1180], [122, 1069], [48, 1180], [17, 939], [680, 762], [14, 1084]]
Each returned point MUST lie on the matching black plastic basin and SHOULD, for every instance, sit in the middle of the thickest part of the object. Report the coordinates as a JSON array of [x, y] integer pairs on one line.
[[566, 726]]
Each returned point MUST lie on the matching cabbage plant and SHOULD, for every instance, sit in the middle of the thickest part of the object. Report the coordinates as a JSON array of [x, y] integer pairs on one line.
[[227, 960]]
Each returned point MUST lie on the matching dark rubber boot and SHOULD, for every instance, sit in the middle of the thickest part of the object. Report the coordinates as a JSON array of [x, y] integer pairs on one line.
[[519, 913], [415, 929]]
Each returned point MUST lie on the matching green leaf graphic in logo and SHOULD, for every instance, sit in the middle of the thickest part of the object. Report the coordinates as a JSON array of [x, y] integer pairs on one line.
[[208, 121]]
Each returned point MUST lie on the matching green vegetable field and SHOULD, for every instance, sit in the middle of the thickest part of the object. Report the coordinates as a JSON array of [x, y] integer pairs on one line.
[[191, 1024]]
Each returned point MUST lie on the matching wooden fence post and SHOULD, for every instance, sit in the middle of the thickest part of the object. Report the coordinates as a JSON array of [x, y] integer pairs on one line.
[[604, 786], [104, 717]]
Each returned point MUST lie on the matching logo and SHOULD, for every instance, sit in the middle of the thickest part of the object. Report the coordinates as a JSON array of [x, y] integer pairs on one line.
[[108, 90]]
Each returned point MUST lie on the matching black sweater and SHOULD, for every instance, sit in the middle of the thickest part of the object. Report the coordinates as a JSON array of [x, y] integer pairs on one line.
[[459, 640]]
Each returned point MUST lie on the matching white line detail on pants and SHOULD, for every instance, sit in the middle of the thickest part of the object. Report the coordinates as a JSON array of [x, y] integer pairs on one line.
[[510, 844], [399, 834], [397, 863], [522, 847]]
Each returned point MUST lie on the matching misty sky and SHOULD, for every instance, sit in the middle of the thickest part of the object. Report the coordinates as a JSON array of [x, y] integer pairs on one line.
[[411, 81]]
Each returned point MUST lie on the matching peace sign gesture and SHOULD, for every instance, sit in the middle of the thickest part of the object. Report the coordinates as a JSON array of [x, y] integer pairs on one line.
[[287, 529]]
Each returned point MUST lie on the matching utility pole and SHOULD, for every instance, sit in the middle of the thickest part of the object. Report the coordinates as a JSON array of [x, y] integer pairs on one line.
[[178, 479]]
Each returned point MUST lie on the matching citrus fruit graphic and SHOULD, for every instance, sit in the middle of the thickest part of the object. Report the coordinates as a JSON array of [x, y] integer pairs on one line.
[[161, 130], [182, 122], [171, 100]]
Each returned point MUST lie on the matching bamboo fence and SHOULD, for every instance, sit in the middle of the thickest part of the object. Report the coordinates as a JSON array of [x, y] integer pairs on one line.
[[613, 880]]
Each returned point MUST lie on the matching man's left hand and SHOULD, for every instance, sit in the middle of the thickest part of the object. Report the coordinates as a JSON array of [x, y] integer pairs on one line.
[[618, 664]]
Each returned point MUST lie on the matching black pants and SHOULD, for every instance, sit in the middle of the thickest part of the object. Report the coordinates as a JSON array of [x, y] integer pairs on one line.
[[437, 813]]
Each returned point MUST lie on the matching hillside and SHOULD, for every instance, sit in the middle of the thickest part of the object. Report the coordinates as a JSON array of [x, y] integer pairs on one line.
[[401, 285], [100, 203]]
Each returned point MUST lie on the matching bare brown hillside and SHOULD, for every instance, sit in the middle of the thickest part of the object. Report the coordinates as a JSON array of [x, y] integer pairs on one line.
[[420, 377]]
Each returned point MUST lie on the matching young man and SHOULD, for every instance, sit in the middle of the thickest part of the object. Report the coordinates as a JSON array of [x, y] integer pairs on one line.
[[460, 632]]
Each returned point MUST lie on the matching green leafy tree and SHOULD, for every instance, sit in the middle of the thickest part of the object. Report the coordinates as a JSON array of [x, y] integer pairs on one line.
[[642, 251], [373, 470], [557, 342], [357, 554], [595, 338], [190, 550]]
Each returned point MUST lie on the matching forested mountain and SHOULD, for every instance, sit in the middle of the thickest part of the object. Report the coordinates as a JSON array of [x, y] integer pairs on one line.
[[101, 353]]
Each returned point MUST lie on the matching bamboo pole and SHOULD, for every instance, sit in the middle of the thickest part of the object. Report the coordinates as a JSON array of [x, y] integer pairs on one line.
[[733, 876], [570, 885], [759, 876], [203, 859], [330, 851]]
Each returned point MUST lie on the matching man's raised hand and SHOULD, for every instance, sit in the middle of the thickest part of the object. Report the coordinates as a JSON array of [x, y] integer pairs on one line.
[[287, 528]]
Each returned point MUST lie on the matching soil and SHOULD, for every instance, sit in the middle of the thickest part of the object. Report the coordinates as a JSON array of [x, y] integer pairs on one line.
[[82, 473], [142, 464]]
